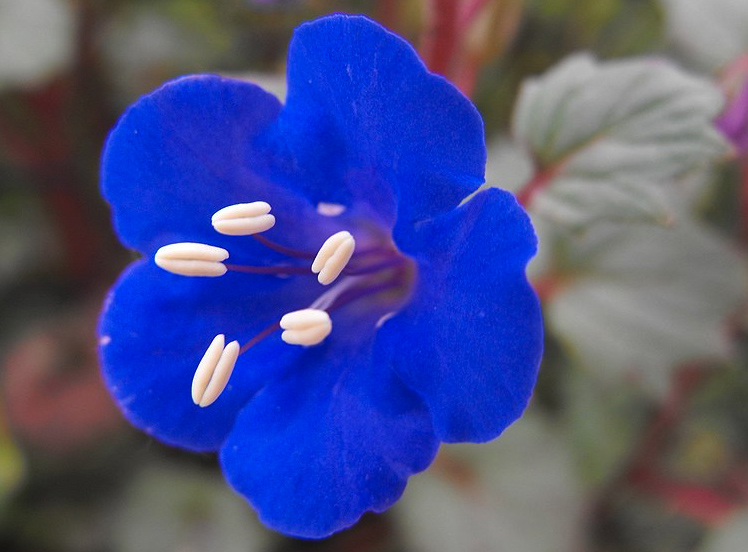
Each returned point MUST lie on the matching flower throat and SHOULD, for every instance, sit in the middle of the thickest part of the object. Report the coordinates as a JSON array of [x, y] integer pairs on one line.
[[377, 279]]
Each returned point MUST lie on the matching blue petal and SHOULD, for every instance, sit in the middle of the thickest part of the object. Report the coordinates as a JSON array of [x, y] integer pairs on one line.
[[338, 437], [155, 329], [365, 122], [190, 148], [470, 341]]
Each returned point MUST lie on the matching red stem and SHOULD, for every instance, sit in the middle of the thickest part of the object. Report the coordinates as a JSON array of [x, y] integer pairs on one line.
[[547, 286], [387, 13], [467, 77], [707, 504], [440, 40], [539, 181], [744, 201], [471, 11], [684, 384], [699, 502]]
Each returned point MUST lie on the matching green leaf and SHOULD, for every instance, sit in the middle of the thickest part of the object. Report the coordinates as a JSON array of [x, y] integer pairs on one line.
[[731, 537], [554, 29], [147, 43], [37, 38], [12, 465], [507, 166], [519, 492], [638, 300], [609, 135], [604, 422], [712, 32], [168, 507]]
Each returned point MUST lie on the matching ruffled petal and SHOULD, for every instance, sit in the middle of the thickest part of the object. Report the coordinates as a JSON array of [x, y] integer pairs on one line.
[[339, 436], [365, 122], [190, 148], [470, 341], [155, 329]]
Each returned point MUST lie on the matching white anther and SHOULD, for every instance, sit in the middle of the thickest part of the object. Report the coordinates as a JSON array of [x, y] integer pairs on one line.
[[214, 371], [192, 259], [305, 327], [330, 209], [333, 256], [243, 219]]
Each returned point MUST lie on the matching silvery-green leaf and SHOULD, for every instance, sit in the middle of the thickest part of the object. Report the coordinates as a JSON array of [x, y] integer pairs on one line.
[[519, 492], [605, 422], [37, 38], [731, 537], [713, 32], [169, 507], [572, 203], [610, 133], [27, 240], [275, 83], [641, 299], [149, 35], [507, 165]]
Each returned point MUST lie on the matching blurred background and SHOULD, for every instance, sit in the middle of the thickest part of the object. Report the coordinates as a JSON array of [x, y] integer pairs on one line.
[[637, 437]]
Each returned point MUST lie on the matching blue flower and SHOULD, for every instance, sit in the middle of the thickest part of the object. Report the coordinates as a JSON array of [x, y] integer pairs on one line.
[[436, 334]]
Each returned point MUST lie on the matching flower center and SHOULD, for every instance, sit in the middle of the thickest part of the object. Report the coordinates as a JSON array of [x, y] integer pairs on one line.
[[376, 281]]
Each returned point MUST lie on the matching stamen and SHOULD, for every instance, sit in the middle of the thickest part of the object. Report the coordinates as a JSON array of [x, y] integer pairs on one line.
[[312, 325], [243, 219], [213, 371], [259, 337], [324, 301], [192, 259], [275, 270], [282, 249], [354, 294], [388, 263], [305, 327], [384, 318], [333, 256], [330, 209]]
